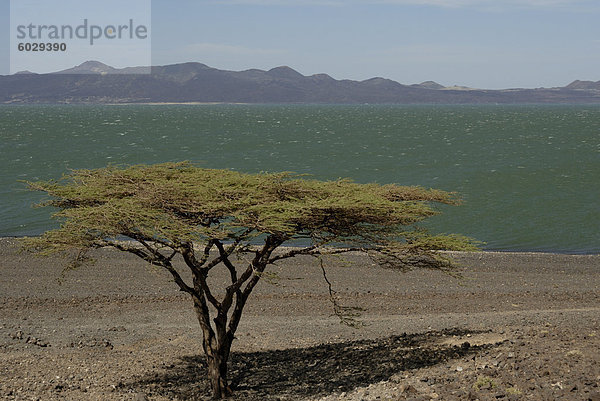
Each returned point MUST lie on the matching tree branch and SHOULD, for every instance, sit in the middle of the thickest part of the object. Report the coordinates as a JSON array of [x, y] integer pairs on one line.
[[258, 265], [225, 259], [346, 314], [155, 258], [231, 290], [179, 281], [206, 253], [195, 265], [136, 251], [201, 279], [200, 273], [140, 238], [314, 250], [260, 262]]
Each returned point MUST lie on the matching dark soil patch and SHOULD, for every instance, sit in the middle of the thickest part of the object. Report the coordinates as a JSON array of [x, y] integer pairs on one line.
[[308, 372]]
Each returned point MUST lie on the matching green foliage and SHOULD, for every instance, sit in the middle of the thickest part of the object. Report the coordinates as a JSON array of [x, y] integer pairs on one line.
[[513, 391], [177, 203], [485, 382]]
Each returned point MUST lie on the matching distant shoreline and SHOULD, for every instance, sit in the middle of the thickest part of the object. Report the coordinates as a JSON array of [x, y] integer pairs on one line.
[[167, 103], [536, 104]]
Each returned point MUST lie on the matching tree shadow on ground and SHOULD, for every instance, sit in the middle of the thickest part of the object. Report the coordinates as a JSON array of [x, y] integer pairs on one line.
[[304, 372]]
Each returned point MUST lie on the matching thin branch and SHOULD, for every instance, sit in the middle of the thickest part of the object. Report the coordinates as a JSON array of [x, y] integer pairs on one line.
[[139, 237], [223, 254], [136, 251], [187, 251], [213, 263], [154, 251], [199, 273], [206, 289], [206, 253], [346, 314], [179, 281], [155, 258], [225, 258], [259, 263], [233, 289], [314, 250], [170, 258]]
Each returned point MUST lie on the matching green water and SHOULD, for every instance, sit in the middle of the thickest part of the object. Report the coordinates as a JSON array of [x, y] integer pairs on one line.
[[529, 175]]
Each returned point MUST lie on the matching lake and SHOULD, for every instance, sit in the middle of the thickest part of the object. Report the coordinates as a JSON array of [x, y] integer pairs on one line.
[[529, 175]]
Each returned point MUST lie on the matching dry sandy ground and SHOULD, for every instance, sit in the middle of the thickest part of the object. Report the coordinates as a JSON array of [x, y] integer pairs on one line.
[[516, 327]]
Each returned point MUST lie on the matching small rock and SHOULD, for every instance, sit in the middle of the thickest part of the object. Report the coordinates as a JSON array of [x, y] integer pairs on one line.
[[408, 389], [594, 396], [118, 328], [17, 335], [36, 341]]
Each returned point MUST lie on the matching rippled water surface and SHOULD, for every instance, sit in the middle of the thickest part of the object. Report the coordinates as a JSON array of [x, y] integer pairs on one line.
[[529, 175]]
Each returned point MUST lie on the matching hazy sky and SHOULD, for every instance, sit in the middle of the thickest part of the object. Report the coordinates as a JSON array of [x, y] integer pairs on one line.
[[476, 43]]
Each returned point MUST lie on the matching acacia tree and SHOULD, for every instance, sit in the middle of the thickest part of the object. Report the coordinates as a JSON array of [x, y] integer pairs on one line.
[[204, 217]]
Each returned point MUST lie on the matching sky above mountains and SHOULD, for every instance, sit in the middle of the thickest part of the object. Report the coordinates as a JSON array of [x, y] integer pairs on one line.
[[478, 43]]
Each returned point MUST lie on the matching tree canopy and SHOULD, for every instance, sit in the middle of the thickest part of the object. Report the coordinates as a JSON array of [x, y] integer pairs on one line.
[[159, 212], [175, 203]]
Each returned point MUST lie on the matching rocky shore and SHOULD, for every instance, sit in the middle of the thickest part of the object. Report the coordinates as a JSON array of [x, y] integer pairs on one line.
[[517, 326]]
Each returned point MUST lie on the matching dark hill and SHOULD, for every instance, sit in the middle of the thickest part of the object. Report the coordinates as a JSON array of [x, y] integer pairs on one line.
[[584, 85], [95, 82]]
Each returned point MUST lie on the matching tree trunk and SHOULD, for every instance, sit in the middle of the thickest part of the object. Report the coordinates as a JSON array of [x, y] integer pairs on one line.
[[217, 374], [216, 349], [218, 339]]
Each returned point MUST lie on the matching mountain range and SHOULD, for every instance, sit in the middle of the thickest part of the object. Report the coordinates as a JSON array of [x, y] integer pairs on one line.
[[95, 82]]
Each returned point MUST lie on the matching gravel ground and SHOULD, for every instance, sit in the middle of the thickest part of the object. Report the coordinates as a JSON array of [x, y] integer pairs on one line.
[[517, 326]]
